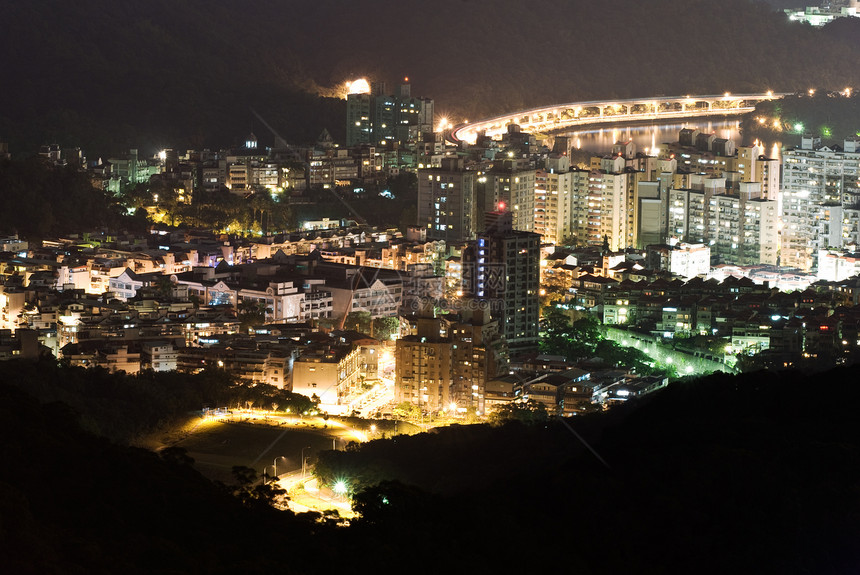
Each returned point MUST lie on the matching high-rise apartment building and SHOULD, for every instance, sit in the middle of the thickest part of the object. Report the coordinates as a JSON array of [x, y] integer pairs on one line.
[[446, 201], [359, 127], [558, 189], [508, 186], [387, 119], [608, 203], [740, 227], [502, 267], [755, 167], [445, 362], [821, 195], [423, 365], [479, 353]]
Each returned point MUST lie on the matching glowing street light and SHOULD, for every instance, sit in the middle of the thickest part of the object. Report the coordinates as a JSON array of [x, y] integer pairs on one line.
[[340, 487]]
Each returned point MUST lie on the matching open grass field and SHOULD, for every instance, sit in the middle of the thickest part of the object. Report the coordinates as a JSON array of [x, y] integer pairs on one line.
[[217, 446]]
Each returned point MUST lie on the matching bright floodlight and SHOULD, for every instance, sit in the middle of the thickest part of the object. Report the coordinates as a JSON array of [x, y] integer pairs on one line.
[[340, 487], [360, 86]]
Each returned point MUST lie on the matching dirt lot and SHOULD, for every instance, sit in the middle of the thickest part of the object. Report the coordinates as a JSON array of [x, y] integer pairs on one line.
[[217, 446]]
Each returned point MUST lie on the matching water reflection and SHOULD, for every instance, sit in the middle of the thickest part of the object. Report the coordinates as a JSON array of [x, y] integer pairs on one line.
[[649, 137]]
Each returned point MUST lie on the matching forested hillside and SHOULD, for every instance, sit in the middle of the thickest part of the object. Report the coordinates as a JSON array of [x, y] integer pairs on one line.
[[832, 116], [729, 474], [108, 75]]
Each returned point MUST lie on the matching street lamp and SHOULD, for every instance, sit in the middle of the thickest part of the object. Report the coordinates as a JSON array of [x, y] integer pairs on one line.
[[303, 460], [266, 475], [275, 464]]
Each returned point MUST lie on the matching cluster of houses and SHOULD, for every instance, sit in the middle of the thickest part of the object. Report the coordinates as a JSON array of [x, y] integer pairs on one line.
[[271, 312], [567, 388], [740, 306]]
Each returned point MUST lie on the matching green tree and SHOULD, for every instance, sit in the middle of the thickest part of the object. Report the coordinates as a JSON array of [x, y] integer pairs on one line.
[[253, 490], [251, 314], [568, 340], [404, 185], [408, 218], [407, 410], [627, 357], [385, 327], [358, 321], [164, 288], [529, 411], [389, 502]]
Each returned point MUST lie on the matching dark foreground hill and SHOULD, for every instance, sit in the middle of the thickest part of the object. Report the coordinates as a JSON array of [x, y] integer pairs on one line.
[[751, 474], [108, 75]]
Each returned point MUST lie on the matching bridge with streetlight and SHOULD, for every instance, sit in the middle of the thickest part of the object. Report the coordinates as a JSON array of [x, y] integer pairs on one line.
[[565, 116]]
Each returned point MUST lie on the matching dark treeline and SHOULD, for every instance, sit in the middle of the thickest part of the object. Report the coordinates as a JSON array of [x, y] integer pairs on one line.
[[39, 200], [71, 502], [110, 75], [830, 115], [745, 474], [126, 408], [749, 474]]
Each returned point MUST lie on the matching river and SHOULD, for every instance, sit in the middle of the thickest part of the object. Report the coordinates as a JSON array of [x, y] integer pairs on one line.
[[648, 137]]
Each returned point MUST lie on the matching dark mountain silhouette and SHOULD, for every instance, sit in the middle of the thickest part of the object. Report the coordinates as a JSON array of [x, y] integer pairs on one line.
[[846, 30], [755, 473], [109, 75]]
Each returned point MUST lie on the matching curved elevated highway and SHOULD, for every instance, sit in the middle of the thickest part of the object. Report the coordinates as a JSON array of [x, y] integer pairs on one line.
[[562, 116]]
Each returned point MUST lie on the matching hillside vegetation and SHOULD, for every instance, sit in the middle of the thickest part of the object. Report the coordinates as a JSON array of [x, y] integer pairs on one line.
[[728, 474], [111, 75]]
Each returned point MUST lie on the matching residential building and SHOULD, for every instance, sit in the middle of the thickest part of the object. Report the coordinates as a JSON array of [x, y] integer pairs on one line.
[[158, 355], [446, 201], [445, 362], [607, 219], [508, 185], [502, 267], [423, 365], [821, 196], [558, 190], [328, 371]]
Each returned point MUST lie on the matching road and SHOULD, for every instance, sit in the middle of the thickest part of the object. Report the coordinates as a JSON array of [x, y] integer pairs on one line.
[[380, 395]]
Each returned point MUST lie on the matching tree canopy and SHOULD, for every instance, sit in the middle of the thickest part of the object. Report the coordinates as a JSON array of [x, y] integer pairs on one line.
[[51, 200], [743, 470]]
